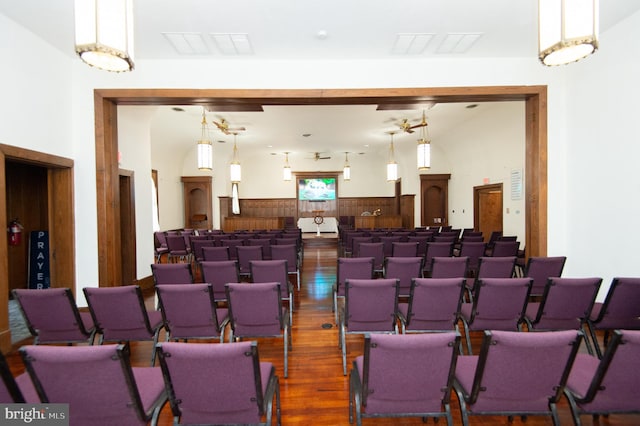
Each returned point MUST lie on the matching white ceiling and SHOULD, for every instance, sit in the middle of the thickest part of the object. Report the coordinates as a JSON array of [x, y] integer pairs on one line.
[[320, 30]]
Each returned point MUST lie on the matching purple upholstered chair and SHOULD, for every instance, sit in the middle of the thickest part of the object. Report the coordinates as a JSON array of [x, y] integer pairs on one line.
[[620, 310], [51, 315], [610, 385], [540, 269], [449, 267], [189, 312], [404, 376], [288, 252], [370, 306], [350, 267], [474, 250], [246, 254], [404, 248], [375, 250], [498, 304], [436, 249], [565, 305], [218, 273], [404, 269], [97, 382], [230, 384], [120, 315], [255, 310], [171, 273], [492, 267], [268, 271], [178, 249], [434, 305], [17, 389], [516, 373], [216, 253]]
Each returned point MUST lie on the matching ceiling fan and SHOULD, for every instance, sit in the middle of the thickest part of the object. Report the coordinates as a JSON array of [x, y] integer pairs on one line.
[[406, 126], [318, 156], [223, 126]]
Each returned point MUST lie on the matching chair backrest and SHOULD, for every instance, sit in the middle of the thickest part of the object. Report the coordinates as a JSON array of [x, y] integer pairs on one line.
[[434, 304], [227, 388], [119, 312], [496, 267], [355, 244], [404, 269], [97, 382], [216, 253], [505, 248], [499, 303], [540, 269], [422, 241], [256, 309], [246, 254], [613, 385], [437, 249], [371, 305], [566, 303], [197, 245], [218, 273], [621, 306], [404, 249], [353, 267], [449, 267], [171, 273], [189, 311], [265, 242], [267, 271], [522, 372], [288, 252], [375, 250], [402, 234], [408, 373], [176, 244], [232, 244], [474, 250], [52, 315], [388, 243]]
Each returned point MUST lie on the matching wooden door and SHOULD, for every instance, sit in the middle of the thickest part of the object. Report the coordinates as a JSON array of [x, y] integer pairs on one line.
[[487, 209], [434, 190]]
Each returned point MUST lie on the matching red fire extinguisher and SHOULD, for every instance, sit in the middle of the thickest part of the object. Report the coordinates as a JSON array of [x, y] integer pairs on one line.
[[15, 232]]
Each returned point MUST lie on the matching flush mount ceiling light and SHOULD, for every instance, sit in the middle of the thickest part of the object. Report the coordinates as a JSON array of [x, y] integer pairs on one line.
[[286, 171], [567, 30], [205, 149], [392, 166], [235, 171], [346, 171], [104, 33]]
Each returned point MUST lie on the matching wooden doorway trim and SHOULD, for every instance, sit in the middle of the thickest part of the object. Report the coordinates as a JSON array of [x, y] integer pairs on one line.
[[61, 223], [107, 100]]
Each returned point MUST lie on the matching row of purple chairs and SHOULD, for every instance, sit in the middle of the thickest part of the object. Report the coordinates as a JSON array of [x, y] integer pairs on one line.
[[240, 389], [514, 374]]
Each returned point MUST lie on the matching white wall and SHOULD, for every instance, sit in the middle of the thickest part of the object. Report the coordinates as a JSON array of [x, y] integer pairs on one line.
[[596, 93]]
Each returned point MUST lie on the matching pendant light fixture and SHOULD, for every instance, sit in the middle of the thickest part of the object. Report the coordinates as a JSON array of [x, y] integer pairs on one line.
[[346, 171], [392, 166], [104, 33], [424, 146], [567, 30], [205, 149], [235, 171], [286, 171]]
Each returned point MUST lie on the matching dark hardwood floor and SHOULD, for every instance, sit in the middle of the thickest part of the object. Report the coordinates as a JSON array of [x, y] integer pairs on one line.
[[316, 392]]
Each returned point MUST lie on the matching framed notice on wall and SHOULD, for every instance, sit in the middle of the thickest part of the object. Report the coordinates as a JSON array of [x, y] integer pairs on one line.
[[516, 184]]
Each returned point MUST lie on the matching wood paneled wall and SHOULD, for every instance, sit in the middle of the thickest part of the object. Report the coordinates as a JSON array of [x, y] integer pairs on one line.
[[355, 206]]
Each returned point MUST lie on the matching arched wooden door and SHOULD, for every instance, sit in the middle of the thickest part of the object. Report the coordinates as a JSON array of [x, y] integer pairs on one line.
[[434, 191]]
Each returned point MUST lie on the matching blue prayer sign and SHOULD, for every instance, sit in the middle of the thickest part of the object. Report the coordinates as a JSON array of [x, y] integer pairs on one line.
[[39, 268]]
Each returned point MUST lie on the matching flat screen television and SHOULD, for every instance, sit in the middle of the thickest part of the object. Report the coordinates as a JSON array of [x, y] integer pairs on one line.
[[317, 189]]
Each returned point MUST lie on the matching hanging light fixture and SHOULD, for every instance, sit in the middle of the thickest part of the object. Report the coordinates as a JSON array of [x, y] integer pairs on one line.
[[424, 146], [235, 170], [392, 166], [205, 149], [567, 30], [346, 171], [104, 33], [286, 171]]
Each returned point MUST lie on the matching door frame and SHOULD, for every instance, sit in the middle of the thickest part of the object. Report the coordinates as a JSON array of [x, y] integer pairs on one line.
[[106, 102], [61, 224]]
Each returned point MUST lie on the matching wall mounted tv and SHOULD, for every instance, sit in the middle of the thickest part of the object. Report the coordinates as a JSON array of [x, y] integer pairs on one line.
[[317, 189]]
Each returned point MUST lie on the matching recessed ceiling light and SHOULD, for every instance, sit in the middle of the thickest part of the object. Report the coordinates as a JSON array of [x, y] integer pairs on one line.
[[471, 106], [222, 141], [306, 135], [178, 109]]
